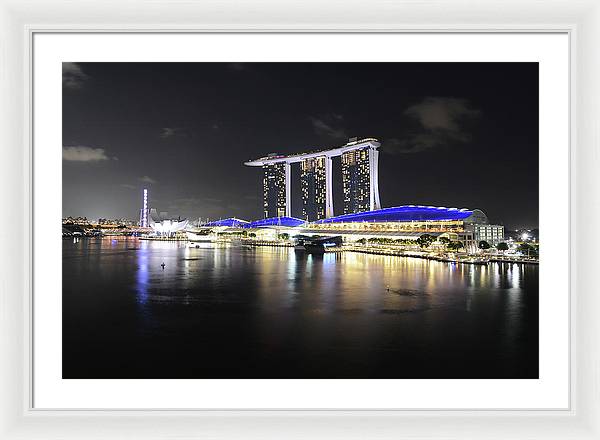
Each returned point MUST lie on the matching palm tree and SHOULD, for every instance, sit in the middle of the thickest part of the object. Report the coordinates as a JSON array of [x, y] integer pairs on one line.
[[425, 240], [483, 245], [502, 247], [455, 245]]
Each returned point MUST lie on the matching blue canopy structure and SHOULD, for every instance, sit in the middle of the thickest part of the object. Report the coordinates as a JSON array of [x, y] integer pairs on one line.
[[405, 213], [228, 222], [275, 221]]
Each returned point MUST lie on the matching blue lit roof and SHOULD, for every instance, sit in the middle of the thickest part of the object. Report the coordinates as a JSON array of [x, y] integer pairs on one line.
[[275, 221], [405, 213], [229, 222]]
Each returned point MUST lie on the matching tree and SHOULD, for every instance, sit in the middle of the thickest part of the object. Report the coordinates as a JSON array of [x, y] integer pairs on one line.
[[502, 247], [425, 240], [483, 245], [284, 236], [362, 241], [455, 245], [527, 249]]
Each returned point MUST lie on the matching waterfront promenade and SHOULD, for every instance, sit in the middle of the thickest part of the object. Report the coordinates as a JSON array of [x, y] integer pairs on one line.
[[463, 258]]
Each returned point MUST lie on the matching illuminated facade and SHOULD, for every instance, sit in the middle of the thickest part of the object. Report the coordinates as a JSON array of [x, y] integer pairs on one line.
[[314, 188], [409, 213], [355, 181], [144, 211], [231, 222], [168, 228], [493, 234], [276, 222], [316, 171], [276, 190], [404, 223], [360, 180], [412, 221]]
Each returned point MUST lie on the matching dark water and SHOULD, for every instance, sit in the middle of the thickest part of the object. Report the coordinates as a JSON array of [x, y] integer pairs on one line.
[[227, 312]]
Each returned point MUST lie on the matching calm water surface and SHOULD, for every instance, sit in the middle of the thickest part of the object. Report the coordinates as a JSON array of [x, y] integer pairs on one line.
[[228, 312]]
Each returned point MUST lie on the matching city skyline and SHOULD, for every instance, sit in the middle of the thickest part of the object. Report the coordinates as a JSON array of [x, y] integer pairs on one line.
[[186, 140]]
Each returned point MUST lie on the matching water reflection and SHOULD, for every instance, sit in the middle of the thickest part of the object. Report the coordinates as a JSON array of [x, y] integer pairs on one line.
[[291, 314], [142, 276]]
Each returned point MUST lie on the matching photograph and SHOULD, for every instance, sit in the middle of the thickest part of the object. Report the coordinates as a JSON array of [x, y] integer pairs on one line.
[[300, 220]]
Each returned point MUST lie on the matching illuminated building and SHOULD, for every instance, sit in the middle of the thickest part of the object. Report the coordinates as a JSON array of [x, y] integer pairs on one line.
[[316, 179], [406, 214], [313, 184], [231, 222], [144, 211], [286, 222], [75, 221], [276, 189], [168, 228], [359, 176], [408, 222], [116, 222], [493, 234], [363, 217]]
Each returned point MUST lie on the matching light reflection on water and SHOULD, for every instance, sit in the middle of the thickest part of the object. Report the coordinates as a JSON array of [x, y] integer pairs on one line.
[[367, 312], [142, 276]]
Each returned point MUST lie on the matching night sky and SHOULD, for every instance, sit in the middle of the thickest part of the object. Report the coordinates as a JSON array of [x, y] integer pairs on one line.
[[452, 134]]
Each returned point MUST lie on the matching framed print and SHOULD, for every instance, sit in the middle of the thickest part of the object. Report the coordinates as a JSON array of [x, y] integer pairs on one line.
[[365, 226], [371, 283]]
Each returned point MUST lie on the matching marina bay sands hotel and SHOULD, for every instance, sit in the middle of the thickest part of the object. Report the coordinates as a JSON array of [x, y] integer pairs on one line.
[[359, 161]]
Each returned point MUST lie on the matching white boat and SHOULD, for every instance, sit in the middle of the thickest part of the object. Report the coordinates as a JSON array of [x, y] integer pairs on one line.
[[195, 237]]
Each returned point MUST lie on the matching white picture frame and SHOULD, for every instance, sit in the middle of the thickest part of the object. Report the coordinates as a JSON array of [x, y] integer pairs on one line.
[[18, 22]]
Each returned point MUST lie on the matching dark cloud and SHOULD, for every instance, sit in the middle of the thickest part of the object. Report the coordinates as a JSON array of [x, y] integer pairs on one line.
[[167, 132], [80, 153], [206, 207], [441, 123], [73, 76], [441, 113], [147, 179], [329, 125]]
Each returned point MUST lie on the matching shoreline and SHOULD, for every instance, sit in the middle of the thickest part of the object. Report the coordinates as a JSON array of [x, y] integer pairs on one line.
[[466, 259], [462, 259]]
